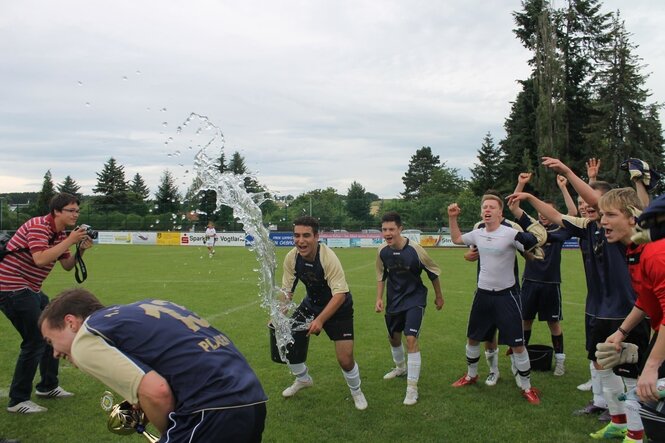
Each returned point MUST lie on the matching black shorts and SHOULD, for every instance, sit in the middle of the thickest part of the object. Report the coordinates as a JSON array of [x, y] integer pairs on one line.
[[541, 298], [492, 310], [603, 328], [242, 424], [338, 327], [589, 321], [408, 321]]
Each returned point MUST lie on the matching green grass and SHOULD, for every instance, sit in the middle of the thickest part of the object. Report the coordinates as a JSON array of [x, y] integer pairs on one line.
[[224, 290]]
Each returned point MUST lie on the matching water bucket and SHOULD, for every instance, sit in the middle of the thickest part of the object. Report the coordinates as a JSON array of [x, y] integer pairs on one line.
[[540, 357], [296, 352]]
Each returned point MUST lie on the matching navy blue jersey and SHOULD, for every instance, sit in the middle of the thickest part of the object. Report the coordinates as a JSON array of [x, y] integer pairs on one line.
[[402, 269], [204, 369], [608, 279], [548, 270]]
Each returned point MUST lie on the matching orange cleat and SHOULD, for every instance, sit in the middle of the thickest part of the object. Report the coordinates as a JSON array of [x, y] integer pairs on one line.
[[532, 396]]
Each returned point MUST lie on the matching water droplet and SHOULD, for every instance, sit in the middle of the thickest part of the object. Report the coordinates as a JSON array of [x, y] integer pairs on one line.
[[138, 72], [124, 77], [169, 154], [177, 153], [178, 129], [165, 124], [156, 222], [152, 226], [186, 171], [162, 110], [148, 108], [87, 104], [80, 83]]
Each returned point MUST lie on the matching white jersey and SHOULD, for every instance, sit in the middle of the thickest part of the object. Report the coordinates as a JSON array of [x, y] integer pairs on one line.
[[211, 235], [497, 256]]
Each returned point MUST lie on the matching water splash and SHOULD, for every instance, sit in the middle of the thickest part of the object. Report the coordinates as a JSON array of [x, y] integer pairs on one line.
[[230, 191]]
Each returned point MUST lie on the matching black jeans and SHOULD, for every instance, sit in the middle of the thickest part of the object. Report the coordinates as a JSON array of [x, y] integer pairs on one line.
[[23, 308]]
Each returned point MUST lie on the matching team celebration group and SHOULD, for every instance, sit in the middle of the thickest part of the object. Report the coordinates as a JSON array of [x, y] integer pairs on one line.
[[191, 382]]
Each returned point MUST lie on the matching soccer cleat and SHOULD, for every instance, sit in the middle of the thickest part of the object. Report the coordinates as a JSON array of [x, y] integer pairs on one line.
[[589, 409], [54, 393], [26, 407], [394, 373], [297, 386], [359, 400], [586, 386], [610, 431], [492, 378], [605, 416], [411, 397], [465, 380], [626, 439], [531, 396], [559, 368]]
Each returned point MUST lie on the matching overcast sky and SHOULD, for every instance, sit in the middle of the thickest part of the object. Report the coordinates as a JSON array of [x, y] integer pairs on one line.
[[313, 94]]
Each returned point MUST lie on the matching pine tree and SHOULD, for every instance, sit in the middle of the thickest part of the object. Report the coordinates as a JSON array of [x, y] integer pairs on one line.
[[46, 194], [421, 167], [69, 186], [111, 184], [138, 190], [167, 197], [357, 203], [487, 172]]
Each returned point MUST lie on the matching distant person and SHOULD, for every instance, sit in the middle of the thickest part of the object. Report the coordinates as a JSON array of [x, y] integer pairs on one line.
[[496, 304], [399, 265], [186, 376], [328, 303], [39, 243], [211, 238]]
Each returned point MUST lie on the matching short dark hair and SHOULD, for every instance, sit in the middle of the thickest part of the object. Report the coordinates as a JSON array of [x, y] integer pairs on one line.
[[392, 216], [75, 301], [601, 186], [61, 200], [306, 220]]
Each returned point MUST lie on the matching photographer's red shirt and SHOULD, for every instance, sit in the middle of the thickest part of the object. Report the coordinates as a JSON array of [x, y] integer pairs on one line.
[[18, 270], [646, 264]]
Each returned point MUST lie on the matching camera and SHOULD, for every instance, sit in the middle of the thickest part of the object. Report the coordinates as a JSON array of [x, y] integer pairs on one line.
[[90, 232]]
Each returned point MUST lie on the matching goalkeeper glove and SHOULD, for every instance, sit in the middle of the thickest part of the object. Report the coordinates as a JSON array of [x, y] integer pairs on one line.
[[608, 357]]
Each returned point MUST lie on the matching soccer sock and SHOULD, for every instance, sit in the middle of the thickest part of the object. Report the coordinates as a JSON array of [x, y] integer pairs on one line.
[[472, 357], [612, 387], [413, 367], [300, 371], [597, 387], [557, 343], [523, 366], [398, 355], [492, 357], [352, 377], [527, 336]]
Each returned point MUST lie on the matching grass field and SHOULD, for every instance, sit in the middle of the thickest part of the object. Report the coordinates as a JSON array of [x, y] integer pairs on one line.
[[224, 290]]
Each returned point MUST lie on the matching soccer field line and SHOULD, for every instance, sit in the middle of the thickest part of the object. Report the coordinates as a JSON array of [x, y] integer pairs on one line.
[[231, 310]]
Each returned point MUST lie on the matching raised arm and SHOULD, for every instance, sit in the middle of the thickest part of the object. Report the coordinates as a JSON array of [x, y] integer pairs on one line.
[[455, 233], [522, 180], [544, 208], [592, 169], [562, 183], [583, 189]]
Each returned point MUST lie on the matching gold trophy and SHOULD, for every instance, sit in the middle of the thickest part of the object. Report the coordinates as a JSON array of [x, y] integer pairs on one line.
[[124, 419]]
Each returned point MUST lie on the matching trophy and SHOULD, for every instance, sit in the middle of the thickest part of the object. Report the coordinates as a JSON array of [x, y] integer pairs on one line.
[[124, 419]]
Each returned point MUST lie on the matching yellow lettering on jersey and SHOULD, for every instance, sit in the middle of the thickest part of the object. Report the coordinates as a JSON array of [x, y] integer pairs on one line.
[[191, 321], [210, 344]]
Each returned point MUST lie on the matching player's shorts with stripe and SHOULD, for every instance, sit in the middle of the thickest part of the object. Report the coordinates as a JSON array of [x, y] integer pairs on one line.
[[492, 310], [541, 298], [240, 424], [338, 327], [408, 322], [603, 328]]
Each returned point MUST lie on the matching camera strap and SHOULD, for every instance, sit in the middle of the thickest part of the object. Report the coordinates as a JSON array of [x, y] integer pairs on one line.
[[78, 263]]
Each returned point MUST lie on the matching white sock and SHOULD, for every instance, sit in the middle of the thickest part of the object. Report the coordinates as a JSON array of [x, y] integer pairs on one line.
[[472, 357], [413, 367], [612, 387], [597, 387], [398, 355], [352, 377], [523, 366], [300, 371], [492, 357]]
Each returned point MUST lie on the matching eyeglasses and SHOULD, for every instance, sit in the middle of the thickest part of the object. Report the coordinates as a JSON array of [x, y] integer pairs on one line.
[[71, 211]]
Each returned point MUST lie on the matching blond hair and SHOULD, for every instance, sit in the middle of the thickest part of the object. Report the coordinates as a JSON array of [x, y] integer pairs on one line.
[[623, 199]]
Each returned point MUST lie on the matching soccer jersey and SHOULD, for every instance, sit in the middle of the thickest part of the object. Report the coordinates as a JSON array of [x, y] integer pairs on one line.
[[18, 270], [322, 278], [515, 226], [210, 236], [548, 270], [402, 268], [647, 270], [608, 280], [119, 344], [497, 256]]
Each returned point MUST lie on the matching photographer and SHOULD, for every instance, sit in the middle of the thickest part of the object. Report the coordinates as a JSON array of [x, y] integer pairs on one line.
[[37, 245]]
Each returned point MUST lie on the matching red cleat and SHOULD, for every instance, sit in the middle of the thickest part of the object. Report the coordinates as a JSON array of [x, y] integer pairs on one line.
[[532, 396], [465, 381]]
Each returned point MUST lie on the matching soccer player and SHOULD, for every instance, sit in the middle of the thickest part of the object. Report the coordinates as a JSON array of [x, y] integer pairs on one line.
[[39, 243], [188, 378], [327, 305], [211, 238], [610, 295], [496, 302], [399, 265], [541, 281]]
